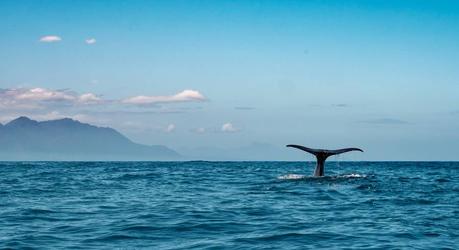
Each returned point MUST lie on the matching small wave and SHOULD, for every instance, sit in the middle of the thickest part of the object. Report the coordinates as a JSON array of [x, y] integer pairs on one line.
[[300, 176], [353, 176], [113, 237], [291, 177]]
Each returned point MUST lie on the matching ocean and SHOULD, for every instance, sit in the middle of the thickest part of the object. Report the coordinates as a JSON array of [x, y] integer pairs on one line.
[[229, 205]]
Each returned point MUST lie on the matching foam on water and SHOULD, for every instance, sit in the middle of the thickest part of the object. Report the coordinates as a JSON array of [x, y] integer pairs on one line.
[[299, 176], [291, 177], [353, 176]]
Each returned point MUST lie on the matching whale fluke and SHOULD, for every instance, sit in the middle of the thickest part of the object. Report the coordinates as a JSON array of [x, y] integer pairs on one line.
[[322, 155]]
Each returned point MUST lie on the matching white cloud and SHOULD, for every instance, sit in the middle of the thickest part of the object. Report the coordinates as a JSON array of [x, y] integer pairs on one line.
[[12, 104], [170, 128], [40, 94], [90, 41], [50, 39], [184, 96], [229, 128], [42, 98], [89, 98], [38, 98]]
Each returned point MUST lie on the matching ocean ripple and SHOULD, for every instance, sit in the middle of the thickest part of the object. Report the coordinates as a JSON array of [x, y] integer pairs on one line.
[[229, 205]]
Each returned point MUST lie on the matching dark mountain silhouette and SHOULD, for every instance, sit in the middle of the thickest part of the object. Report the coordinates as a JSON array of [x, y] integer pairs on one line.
[[67, 139]]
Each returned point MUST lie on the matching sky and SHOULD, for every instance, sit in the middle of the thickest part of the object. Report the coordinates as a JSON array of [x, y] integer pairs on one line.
[[216, 79]]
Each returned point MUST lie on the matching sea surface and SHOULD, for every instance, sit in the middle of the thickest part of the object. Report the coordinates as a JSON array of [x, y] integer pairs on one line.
[[229, 205]]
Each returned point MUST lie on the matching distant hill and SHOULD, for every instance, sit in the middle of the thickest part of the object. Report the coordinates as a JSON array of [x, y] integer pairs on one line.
[[67, 139]]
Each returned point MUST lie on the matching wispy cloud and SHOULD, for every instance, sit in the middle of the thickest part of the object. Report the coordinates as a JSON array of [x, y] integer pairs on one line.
[[199, 130], [89, 98], [51, 115], [229, 128], [184, 96], [244, 108], [40, 94], [50, 39], [328, 106], [386, 121], [90, 41], [224, 128]]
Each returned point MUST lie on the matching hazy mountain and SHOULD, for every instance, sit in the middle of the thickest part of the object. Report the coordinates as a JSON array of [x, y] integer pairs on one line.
[[67, 139]]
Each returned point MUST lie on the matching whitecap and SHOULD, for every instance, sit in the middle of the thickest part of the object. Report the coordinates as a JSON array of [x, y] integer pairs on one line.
[[354, 176], [291, 177]]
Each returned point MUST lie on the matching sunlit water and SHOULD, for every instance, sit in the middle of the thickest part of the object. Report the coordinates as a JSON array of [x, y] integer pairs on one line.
[[232, 205]]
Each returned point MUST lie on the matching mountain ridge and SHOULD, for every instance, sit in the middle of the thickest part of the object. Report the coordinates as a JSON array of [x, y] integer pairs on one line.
[[68, 139]]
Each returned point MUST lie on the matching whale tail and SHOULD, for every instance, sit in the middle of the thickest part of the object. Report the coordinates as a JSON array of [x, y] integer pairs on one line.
[[322, 155]]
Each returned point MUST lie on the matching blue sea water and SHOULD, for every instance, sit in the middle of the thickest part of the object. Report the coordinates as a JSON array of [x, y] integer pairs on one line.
[[229, 205]]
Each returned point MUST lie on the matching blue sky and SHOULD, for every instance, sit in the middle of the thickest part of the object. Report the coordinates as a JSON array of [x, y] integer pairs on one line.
[[381, 75]]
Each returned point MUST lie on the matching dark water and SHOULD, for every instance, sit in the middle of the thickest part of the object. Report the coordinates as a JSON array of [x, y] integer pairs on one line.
[[232, 205]]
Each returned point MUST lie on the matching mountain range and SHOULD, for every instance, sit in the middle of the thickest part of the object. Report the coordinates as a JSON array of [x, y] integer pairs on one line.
[[67, 139]]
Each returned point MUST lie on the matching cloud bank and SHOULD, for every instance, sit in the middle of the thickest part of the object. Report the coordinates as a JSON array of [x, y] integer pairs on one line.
[[36, 98]]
